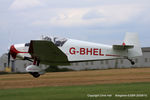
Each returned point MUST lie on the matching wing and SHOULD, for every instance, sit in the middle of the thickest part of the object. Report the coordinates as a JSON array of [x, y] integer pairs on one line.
[[47, 52], [122, 47]]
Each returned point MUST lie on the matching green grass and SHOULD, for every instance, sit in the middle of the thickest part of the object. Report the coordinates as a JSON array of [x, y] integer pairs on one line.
[[78, 92]]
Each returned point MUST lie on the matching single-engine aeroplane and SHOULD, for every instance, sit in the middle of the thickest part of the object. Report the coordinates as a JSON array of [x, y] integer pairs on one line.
[[63, 51]]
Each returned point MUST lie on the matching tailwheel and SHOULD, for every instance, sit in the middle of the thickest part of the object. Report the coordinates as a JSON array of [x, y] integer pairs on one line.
[[131, 61], [35, 74]]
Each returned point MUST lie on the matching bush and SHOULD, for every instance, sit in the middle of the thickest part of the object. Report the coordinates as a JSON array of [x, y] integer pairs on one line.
[[57, 69], [1, 73]]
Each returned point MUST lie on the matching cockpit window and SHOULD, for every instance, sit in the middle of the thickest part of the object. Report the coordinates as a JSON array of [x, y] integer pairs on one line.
[[56, 40], [47, 38], [59, 41], [27, 44]]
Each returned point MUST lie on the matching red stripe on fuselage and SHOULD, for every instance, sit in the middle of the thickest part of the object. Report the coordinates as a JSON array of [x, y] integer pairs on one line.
[[112, 55]]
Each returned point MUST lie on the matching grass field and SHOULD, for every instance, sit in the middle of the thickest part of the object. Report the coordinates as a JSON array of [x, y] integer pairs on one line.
[[78, 85], [88, 92]]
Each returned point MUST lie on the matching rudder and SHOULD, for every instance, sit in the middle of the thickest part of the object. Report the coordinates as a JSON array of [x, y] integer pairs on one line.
[[131, 38]]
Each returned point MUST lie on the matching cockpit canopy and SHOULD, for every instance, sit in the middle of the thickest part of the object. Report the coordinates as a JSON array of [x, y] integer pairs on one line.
[[56, 40]]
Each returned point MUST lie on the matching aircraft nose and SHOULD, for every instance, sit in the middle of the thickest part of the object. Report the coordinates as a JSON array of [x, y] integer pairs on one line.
[[13, 51]]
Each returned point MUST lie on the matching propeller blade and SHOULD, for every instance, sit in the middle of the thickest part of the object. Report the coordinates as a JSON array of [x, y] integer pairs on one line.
[[8, 59]]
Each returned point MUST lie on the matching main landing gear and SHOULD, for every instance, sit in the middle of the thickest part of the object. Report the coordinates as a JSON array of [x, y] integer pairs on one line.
[[34, 69]]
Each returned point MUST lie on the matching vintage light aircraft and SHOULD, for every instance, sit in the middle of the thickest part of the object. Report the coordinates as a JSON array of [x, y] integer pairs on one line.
[[62, 51]]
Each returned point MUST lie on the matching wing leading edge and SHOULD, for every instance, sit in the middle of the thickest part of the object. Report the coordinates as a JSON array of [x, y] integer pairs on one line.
[[47, 52]]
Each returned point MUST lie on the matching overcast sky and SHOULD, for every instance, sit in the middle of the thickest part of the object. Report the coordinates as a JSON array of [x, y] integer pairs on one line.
[[101, 21]]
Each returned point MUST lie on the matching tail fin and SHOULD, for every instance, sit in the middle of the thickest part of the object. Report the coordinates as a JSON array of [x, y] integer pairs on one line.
[[132, 39]]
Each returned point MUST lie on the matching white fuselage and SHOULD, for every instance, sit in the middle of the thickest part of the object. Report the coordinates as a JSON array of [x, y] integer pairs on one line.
[[83, 51], [79, 51]]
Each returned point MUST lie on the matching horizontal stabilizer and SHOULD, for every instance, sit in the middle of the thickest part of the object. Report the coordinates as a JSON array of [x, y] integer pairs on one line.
[[122, 47]]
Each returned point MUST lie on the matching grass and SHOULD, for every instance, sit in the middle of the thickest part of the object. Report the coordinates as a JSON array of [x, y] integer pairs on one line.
[[78, 92]]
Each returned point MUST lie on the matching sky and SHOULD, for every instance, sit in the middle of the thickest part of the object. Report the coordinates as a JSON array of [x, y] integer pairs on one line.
[[100, 21]]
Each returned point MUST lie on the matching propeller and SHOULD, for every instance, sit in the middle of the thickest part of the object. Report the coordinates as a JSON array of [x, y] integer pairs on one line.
[[9, 44], [8, 58]]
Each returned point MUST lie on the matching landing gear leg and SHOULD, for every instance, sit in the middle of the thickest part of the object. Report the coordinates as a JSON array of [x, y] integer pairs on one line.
[[132, 62]]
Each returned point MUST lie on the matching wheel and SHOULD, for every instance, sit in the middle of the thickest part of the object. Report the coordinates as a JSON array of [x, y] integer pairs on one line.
[[132, 62], [35, 74]]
